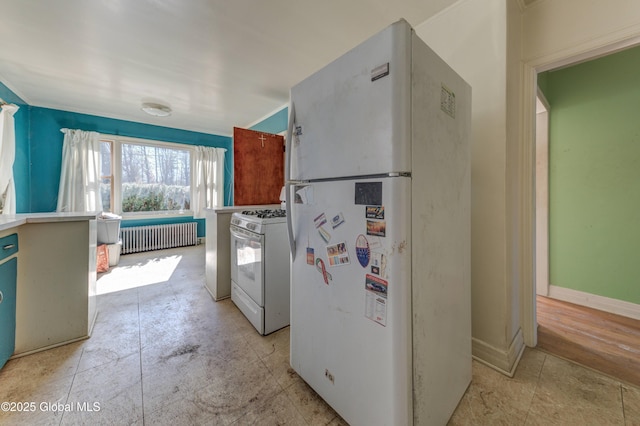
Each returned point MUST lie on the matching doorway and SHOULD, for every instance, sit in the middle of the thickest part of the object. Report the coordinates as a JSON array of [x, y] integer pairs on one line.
[[577, 332], [588, 198]]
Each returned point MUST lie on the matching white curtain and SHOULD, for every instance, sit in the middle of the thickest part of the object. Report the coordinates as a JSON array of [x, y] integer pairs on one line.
[[80, 175], [209, 179], [7, 157]]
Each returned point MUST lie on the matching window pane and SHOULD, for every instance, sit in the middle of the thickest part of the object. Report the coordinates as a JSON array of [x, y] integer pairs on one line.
[[155, 178], [105, 159], [105, 193], [106, 188]]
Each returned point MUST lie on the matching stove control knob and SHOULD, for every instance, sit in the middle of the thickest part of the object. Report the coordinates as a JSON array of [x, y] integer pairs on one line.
[[251, 226]]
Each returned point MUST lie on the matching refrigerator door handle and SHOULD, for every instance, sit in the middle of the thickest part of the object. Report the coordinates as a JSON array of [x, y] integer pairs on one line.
[[288, 203], [292, 241]]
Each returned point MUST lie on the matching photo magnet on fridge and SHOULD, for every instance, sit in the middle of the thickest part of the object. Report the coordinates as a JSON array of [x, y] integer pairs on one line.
[[324, 234], [363, 253], [376, 299], [338, 254], [375, 212], [375, 243], [376, 307], [310, 256], [337, 220], [376, 284], [320, 220], [378, 264], [377, 228], [319, 223], [326, 276]]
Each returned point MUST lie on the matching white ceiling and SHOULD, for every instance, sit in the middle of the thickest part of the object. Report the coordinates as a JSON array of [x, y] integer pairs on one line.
[[216, 63]]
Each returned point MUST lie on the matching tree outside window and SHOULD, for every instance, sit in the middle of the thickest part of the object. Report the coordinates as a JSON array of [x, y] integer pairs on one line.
[[152, 177]]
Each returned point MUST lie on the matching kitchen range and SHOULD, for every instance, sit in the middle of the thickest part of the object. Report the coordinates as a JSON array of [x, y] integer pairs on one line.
[[260, 267]]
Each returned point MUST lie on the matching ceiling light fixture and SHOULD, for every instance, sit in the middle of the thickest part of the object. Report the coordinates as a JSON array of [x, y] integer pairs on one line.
[[155, 109]]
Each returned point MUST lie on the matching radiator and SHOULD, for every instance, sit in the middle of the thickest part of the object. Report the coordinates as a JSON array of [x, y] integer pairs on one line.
[[156, 237]]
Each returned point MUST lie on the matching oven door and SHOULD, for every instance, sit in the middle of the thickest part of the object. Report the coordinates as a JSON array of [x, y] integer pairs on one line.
[[247, 262]]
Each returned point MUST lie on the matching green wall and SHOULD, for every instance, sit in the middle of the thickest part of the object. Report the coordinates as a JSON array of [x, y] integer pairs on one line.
[[594, 176]]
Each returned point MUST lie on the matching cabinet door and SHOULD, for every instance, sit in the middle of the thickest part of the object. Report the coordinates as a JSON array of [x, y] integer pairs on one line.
[[8, 276], [258, 167]]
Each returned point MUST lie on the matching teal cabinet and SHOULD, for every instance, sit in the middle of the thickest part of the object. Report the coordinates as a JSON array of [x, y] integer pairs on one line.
[[8, 278]]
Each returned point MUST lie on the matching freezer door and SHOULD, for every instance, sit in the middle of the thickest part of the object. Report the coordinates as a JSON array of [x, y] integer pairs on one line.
[[350, 306], [352, 117]]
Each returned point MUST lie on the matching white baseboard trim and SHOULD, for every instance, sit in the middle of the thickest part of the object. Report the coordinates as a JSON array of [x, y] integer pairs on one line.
[[500, 360], [613, 306]]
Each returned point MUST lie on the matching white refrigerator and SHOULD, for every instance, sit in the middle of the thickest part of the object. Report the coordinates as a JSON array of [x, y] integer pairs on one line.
[[378, 200]]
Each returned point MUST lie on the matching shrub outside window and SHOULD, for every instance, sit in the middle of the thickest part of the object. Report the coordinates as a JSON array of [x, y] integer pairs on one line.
[[146, 177]]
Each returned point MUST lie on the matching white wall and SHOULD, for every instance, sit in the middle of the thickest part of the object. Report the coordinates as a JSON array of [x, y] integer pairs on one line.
[[556, 33], [472, 37], [497, 46], [556, 30]]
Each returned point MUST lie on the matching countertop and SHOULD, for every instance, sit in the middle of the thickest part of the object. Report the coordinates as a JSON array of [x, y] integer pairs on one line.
[[11, 221]]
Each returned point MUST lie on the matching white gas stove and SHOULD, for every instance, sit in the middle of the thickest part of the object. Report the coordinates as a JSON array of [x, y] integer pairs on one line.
[[260, 268], [257, 220]]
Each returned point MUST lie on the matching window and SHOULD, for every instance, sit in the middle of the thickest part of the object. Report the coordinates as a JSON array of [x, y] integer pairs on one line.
[[106, 174], [145, 176]]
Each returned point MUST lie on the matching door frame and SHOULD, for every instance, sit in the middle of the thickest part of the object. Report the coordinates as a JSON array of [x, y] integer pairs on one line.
[[542, 194], [527, 167]]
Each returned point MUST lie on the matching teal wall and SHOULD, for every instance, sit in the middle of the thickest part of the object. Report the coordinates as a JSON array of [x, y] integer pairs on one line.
[[275, 123], [594, 175], [46, 152], [39, 152], [21, 174], [46, 147]]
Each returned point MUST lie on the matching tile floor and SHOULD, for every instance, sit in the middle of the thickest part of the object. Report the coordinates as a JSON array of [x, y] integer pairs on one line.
[[163, 352]]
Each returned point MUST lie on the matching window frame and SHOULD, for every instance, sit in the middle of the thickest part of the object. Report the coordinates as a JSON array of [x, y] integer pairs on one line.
[[109, 176], [116, 183]]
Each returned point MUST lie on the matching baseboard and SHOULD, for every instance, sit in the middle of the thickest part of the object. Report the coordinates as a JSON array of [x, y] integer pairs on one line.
[[500, 360], [46, 348], [613, 306]]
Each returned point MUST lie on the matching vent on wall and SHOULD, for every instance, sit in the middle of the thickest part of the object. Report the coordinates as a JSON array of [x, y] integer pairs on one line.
[[156, 237]]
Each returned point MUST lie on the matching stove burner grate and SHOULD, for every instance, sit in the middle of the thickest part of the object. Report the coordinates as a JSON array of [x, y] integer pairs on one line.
[[265, 213]]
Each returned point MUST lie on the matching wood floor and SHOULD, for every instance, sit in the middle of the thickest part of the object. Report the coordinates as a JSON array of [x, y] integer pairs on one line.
[[605, 342]]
